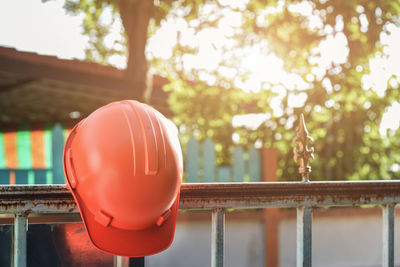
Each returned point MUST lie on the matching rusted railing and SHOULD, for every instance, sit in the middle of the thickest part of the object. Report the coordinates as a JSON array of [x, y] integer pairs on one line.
[[41, 200], [57, 198]]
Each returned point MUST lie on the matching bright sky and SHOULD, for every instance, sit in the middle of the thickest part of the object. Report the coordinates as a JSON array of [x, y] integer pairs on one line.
[[44, 28], [30, 25]]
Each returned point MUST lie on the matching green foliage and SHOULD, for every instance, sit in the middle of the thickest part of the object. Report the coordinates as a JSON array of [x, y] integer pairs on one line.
[[342, 117], [96, 29], [207, 111], [343, 120]]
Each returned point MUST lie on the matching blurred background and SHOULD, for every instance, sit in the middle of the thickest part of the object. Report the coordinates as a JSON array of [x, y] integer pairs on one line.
[[238, 73], [234, 76]]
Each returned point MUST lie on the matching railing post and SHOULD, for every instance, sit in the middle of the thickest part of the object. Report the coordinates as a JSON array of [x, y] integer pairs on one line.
[[20, 239], [120, 261], [304, 236], [217, 237], [304, 155], [388, 235]]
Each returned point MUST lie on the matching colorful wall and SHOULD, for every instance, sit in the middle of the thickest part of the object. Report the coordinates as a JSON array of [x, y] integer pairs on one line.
[[32, 154]]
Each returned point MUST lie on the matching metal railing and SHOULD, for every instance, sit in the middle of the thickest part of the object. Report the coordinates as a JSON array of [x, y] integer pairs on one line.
[[21, 201]]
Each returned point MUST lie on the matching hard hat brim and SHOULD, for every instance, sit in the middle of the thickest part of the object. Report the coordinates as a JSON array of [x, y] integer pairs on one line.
[[129, 243]]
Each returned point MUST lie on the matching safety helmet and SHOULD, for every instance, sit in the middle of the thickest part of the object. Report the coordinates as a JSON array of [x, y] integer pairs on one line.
[[123, 165]]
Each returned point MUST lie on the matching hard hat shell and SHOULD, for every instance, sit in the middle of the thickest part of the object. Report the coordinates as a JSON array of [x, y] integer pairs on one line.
[[123, 165]]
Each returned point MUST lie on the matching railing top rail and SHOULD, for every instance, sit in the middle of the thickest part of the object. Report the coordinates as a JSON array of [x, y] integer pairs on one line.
[[57, 198]]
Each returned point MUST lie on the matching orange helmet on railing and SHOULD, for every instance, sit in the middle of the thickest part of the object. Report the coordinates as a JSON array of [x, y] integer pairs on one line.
[[123, 165]]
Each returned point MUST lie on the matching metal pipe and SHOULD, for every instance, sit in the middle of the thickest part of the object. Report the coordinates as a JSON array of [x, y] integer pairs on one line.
[[57, 198], [39, 199], [388, 235], [304, 237], [118, 261], [20, 234], [217, 237]]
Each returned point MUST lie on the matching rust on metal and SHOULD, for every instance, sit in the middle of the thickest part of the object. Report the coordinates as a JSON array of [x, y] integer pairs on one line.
[[36, 199], [304, 154], [39, 199], [288, 194]]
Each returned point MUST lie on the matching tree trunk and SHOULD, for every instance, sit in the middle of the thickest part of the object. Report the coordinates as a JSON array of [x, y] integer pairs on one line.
[[135, 16]]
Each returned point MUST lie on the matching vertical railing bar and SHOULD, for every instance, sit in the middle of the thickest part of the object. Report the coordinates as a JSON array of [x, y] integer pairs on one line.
[[20, 239], [388, 235], [118, 261], [217, 237], [304, 237]]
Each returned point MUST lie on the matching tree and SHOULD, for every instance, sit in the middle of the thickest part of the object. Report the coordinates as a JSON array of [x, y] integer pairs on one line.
[[139, 19], [341, 115], [135, 16]]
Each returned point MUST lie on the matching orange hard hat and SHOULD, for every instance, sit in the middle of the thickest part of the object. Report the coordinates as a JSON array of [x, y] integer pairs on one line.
[[123, 165]]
